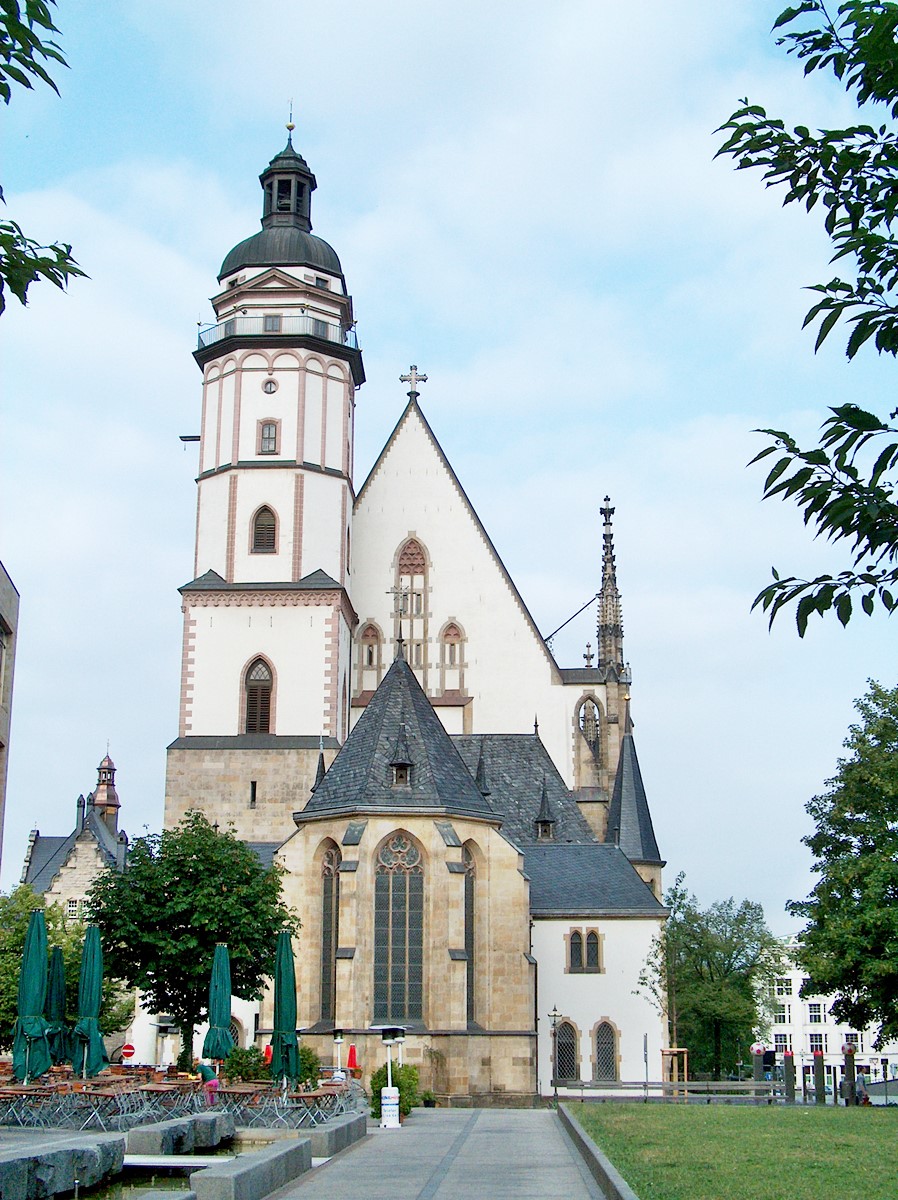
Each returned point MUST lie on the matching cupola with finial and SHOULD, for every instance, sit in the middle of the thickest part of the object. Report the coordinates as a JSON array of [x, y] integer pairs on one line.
[[288, 185], [105, 799]]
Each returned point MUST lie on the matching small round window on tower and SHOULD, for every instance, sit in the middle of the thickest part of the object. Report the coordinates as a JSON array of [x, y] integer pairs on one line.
[[269, 386]]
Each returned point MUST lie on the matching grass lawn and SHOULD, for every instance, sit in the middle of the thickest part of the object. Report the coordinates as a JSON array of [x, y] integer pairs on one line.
[[729, 1152]]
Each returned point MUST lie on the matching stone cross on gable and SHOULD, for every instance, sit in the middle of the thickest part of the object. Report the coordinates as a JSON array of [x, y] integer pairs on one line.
[[589, 656], [413, 379]]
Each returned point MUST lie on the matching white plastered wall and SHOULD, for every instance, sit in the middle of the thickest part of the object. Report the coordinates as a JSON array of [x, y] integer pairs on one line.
[[585, 999]]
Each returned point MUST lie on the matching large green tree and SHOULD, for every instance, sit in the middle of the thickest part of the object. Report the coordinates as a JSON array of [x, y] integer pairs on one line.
[[27, 49], [849, 948], [181, 892], [846, 485], [710, 971], [15, 911]]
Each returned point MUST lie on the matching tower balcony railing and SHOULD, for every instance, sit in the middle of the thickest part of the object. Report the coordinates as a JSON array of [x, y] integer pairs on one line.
[[274, 326]]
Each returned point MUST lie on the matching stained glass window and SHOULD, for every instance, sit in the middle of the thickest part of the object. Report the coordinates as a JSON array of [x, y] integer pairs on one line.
[[399, 931], [470, 881], [330, 928]]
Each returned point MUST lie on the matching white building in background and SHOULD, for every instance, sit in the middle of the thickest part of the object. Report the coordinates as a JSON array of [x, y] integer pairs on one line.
[[805, 1025]]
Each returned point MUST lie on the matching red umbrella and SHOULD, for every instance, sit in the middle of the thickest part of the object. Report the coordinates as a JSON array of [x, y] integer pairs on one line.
[[352, 1059], [266, 1054]]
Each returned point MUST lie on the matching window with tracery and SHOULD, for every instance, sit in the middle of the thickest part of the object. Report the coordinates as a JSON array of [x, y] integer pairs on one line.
[[470, 884], [370, 644], [264, 532], [399, 931], [566, 1056], [605, 1066], [330, 929], [452, 639], [411, 599], [258, 685], [576, 950], [593, 962], [590, 726]]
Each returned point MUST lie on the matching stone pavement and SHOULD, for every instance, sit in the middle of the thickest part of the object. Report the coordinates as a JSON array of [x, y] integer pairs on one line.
[[479, 1154]]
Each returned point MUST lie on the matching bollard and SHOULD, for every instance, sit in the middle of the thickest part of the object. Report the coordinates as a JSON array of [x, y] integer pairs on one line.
[[789, 1076], [819, 1078], [850, 1081]]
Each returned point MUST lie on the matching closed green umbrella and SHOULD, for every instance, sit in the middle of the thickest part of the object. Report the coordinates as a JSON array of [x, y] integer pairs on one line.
[[284, 1043], [218, 1042], [54, 1011], [89, 1053], [31, 1052]]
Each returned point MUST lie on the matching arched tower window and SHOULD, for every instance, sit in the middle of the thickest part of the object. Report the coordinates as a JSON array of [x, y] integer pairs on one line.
[[398, 931], [590, 726], [259, 684], [605, 1066], [410, 609], [566, 1055], [576, 944], [451, 645], [370, 644], [330, 929], [593, 962], [470, 916], [264, 532]]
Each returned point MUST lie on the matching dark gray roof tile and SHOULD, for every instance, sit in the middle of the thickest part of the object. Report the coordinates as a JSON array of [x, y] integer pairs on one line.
[[591, 880], [629, 819]]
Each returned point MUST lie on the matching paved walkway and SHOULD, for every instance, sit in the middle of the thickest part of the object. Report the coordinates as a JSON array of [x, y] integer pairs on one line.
[[479, 1154]]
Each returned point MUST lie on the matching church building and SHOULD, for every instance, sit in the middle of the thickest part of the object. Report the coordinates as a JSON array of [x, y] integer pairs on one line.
[[360, 677]]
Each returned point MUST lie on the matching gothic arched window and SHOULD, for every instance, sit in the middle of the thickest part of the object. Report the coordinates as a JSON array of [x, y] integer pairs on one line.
[[264, 532], [410, 610], [370, 643], [605, 1066], [593, 963], [566, 1056], [576, 950], [398, 931], [470, 915], [590, 726], [330, 929], [258, 686], [452, 640]]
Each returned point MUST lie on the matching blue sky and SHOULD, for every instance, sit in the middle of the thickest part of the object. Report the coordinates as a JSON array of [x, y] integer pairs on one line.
[[526, 204]]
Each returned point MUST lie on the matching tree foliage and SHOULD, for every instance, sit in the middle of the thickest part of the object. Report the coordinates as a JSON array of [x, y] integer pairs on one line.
[[846, 486], [849, 948], [710, 972], [15, 911], [183, 891], [26, 50]]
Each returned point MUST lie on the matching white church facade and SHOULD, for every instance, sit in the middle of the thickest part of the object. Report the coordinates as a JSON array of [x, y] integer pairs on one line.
[[360, 677]]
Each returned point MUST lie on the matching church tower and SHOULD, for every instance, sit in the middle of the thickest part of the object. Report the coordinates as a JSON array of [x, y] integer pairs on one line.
[[267, 617]]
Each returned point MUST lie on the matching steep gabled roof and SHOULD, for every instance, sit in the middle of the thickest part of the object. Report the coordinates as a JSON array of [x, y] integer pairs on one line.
[[515, 765], [412, 410], [48, 855], [629, 819], [361, 776]]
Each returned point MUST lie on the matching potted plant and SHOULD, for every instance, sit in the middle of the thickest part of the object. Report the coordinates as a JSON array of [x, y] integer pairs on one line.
[[428, 1099]]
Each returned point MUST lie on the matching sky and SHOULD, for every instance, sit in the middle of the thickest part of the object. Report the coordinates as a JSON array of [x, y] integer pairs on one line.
[[526, 203]]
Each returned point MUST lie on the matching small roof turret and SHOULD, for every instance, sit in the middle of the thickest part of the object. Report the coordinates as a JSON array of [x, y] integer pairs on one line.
[[629, 819]]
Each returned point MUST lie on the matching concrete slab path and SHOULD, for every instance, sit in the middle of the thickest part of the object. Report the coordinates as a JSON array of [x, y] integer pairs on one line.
[[479, 1154]]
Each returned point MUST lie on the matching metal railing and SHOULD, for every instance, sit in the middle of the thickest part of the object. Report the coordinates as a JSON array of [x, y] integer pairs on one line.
[[268, 326]]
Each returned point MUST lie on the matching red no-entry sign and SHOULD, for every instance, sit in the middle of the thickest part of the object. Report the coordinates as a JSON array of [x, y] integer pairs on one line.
[[127, 1050]]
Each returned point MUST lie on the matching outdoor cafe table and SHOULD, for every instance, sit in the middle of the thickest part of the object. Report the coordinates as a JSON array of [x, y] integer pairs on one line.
[[22, 1105]]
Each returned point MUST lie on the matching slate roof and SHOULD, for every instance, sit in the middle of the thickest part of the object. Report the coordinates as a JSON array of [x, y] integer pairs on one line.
[[254, 741], [264, 851], [49, 854], [593, 880], [629, 819], [211, 581], [515, 765], [360, 777]]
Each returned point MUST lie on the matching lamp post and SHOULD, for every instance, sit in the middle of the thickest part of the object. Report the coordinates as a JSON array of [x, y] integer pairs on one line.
[[389, 1096], [338, 1042], [553, 1017], [400, 1042]]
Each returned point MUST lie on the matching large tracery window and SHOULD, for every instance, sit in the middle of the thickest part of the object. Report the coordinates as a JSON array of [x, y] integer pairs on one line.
[[605, 1066], [470, 883], [330, 929], [566, 1058], [399, 931], [410, 610], [258, 697]]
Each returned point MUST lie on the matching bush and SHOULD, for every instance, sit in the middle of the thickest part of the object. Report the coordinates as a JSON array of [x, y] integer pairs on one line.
[[309, 1065], [405, 1078], [245, 1064]]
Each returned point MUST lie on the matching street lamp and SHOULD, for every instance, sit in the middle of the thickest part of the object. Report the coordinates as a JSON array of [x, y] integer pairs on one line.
[[338, 1042], [400, 1042], [553, 1017]]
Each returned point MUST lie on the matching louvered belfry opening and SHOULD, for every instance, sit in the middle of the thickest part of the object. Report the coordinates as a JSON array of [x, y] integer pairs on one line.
[[330, 931], [399, 932], [264, 532], [258, 697], [566, 1051]]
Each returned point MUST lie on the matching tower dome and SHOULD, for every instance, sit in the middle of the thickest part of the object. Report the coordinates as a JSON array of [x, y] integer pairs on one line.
[[286, 237]]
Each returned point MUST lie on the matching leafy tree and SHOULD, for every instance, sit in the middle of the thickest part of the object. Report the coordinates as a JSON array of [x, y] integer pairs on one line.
[[25, 53], [849, 948], [182, 891], [710, 971], [15, 910], [845, 486]]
